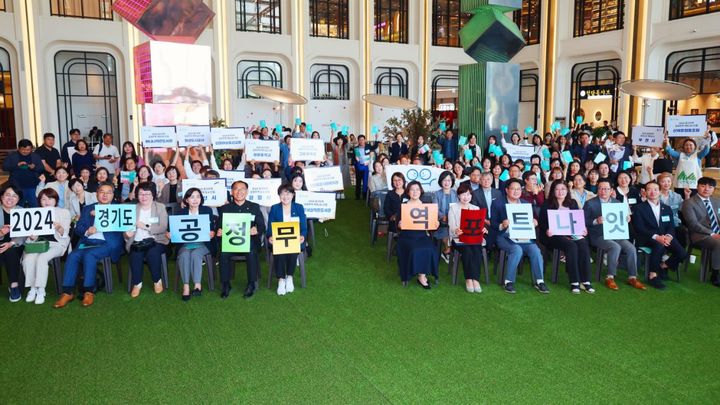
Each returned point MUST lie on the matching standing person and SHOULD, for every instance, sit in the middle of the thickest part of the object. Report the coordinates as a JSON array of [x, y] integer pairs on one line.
[[449, 145], [107, 155], [49, 155], [93, 247], [238, 205], [701, 219], [82, 159], [398, 148], [11, 249], [35, 265], [647, 162], [72, 143], [190, 255], [362, 157], [24, 167], [340, 158], [471, 255], [614, 248], [689, 164], [286, 211]]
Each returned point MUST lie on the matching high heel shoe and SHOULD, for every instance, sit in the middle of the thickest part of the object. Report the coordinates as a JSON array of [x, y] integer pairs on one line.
[[427, 287]]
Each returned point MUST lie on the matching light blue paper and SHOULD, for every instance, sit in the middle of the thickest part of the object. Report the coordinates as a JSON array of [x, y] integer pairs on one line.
[[308, 127], [468, 154], [115, 217], [503, 129], [565, 131], [546, 153], [278, 128], [567, 156], [496, 150], [442, 126], [462, 141], [375, 129], [504, 175], [345, 130], [599, 158], [545, 165], [627, 165], [438, 157], [189, 228], [333, 126], [297, 121], [528, 130], [263, 124], [579, 120]]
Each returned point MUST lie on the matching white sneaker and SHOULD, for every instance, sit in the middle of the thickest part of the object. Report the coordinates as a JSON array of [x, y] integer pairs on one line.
[[281, 286], [31, 295], [40, 296], [289, 286]]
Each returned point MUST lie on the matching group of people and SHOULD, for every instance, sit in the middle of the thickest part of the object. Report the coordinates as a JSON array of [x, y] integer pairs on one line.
[[666, 213]]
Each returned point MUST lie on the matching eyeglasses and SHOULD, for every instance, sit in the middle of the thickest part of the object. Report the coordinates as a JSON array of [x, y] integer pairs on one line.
[[11, 196]]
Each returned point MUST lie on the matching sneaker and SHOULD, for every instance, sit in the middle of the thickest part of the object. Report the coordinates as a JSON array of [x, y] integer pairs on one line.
[[135, 292], [575, 289], [588, 288], [445, 257], [281, 286], [15, 294], [289, 286], [509, 288], [31, 295], [477, 289], [158, 287], [542, 288], [40, 296]]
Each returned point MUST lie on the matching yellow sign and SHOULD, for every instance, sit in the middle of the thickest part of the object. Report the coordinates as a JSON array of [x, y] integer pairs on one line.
[[286, 237]]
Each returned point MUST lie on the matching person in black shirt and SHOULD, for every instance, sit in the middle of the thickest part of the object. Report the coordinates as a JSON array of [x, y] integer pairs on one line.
[[72, 143], [50, 156]]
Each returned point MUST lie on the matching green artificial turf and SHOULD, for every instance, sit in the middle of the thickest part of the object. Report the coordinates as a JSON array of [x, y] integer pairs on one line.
[[356, 335]]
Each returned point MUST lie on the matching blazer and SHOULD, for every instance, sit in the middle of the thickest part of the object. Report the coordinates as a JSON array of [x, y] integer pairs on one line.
[[276, 215], [696, 218], [392, 207], [454, 215], [646, 225], [593, 210], [164, 196], [248, 207], [158, 230], [203, 210], [73, 203], [113, 239], [478, 199]]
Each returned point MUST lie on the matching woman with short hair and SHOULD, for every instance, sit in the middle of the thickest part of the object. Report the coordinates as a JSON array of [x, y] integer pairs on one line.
[[190, 255], [417, 254], [287, 210]]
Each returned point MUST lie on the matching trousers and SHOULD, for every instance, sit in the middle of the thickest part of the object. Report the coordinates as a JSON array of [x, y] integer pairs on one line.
[[35, 265], [85, 260], [253, 265], [614, 248], [285, 264], [515, 252], [153, 257], [190, 263]]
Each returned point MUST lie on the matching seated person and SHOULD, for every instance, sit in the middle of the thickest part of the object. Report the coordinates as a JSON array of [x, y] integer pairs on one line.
[[471, 255], [393, 199], [700, 213], [93, 247], [286, 211], [190, 255], [417, 254]]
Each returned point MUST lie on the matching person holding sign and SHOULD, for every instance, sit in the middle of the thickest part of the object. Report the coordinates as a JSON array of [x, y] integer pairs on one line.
[[240, 205], [93, 247], [11, 249], [595, 222], [35, 265], [190, 255], [417, 254], [471, 255], [516, 248], [362, 156], [655, 228], [286, 211], [688, 164], [148, 240]]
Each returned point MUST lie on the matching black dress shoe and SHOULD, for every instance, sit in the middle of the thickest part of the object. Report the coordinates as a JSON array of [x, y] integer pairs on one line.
[[425, 286], [225, 291], [196, 292], [249, 291], [715, 282], [186, 297]]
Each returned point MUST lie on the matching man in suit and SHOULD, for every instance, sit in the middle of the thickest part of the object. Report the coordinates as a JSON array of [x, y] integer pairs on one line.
[[655, 228], [93, 247], [701, 218], [483, 197], [594, 222]]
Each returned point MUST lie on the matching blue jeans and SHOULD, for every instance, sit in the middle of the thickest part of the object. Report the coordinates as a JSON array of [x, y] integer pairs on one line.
[[361, 177], [87, 258], [30, 197], [515, 252]]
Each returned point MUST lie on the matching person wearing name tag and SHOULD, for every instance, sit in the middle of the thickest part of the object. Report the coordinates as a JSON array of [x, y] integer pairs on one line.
[[190, 256], [35, 265], [11, 249], [286, 211], [25, 167], [654, 224], [688, 164], [471, 255], [94, 245], [126, 185], [417, 254], [701, 214], [149, 240], [624, 192], [674, 201]]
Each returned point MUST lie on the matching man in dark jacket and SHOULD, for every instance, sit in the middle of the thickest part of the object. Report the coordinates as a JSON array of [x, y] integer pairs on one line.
[[25, 168]]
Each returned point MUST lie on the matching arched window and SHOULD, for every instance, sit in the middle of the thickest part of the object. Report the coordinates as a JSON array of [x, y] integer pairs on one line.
[[447, 21], [330, 82], [251, 72], [391, 81], [86, 84], [445, 90], [528, 19], [683, 8], [391, 21], [594, 16], [595, 81], [258, 16], [329, 18], [94, 9], [7, 103], [529, 91], [699, 68]]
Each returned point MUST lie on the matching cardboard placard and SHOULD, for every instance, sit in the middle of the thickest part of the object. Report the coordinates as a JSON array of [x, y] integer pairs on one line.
[[419, 217]]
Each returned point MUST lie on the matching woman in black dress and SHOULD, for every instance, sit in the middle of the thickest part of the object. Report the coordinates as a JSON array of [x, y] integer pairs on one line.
[[417, 254]]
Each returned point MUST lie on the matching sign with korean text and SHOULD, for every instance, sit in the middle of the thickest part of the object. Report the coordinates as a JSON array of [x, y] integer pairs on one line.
[[427, 176], [236, 233], [228, 138], [615, 224], [231, 176], [213, 190], [566, 222], [317, 205], [262, 151], [286, 237], [523, 152], [472, 223], [311, 150], [686, 125], [419, 217], [31, 221], [189, 228], [520, 221], [597, 92], [196, 135], [263, 191], [158, 137], [323, 178], [648, 136], [115, 217]]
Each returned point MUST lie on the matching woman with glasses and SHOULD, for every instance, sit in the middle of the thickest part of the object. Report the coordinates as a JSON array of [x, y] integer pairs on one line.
[[11, 249]]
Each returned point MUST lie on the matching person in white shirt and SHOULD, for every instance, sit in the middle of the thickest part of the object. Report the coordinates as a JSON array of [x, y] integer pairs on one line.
[[107, 155]]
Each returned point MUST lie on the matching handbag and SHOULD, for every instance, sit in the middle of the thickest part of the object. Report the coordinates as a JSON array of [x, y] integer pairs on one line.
[[143, 245], [37, 247]]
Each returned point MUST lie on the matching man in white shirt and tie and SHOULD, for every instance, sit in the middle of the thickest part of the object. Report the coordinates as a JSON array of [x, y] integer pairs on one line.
[[700, 214]]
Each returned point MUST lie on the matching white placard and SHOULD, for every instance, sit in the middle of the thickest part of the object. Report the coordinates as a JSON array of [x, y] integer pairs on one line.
[[520, 221], [427, 175], [263, 191], [31, 221], [193, 135], [686, 125], [323, 178], [523, 152], [310, 150], [158, 137], [262, 151], [648, 136], [231, 176], [317, 205], [228, 138], [213, 190]]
